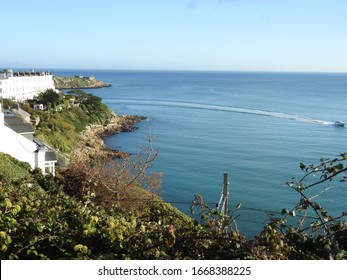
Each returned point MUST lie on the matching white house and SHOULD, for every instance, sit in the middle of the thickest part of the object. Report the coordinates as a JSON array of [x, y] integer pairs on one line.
[[24, 85], [20, 147]]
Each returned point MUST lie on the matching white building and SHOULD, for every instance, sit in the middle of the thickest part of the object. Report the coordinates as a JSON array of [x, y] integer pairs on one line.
[[24, 85], [22, 148]]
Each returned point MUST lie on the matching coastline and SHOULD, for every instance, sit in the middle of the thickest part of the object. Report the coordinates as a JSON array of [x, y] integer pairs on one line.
[[92, 138]]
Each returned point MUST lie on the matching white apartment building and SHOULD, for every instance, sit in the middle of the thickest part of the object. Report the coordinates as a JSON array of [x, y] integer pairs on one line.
[[21, 86]]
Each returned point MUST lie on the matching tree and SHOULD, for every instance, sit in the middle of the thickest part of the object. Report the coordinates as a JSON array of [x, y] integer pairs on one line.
[[8, 104], [110, 182], [50, 96]]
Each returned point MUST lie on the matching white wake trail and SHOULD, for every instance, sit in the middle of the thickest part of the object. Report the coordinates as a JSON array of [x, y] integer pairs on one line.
[[190, 105]]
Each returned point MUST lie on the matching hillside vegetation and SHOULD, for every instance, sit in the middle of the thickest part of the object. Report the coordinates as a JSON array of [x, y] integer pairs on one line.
[[60, 126], [40, 221], [59, 218], [13, 170]]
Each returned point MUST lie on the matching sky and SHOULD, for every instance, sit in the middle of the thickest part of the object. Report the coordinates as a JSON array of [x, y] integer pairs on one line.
[[214, 35]]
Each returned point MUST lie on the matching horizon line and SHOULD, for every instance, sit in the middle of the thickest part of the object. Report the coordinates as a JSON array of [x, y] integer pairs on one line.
[[178, 70]]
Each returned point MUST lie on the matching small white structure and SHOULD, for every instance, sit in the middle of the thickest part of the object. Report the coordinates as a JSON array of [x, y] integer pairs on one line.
[[23, 149], [24, 85], [38, 107]]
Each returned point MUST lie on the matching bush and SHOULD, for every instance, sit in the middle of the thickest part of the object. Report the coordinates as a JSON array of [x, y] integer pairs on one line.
[[39, 220]]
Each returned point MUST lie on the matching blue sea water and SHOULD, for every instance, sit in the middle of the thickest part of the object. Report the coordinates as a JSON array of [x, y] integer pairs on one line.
[[258, 127]]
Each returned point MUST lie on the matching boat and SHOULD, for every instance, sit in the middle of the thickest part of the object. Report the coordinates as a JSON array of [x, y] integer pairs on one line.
[[339, 123]]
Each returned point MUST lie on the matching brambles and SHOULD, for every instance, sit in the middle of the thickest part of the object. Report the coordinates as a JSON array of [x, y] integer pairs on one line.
[[308, 231], [99, 210]]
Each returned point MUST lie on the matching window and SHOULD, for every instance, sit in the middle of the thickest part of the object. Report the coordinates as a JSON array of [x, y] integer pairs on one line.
[[50, 167]]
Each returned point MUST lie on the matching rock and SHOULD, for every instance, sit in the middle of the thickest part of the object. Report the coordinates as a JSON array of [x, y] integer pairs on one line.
[[93, 145]]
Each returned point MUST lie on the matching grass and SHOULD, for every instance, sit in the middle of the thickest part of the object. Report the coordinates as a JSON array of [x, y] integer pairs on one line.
[[13, 170]]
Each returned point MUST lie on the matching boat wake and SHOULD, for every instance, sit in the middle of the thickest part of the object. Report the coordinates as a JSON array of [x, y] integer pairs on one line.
[[202, 106]]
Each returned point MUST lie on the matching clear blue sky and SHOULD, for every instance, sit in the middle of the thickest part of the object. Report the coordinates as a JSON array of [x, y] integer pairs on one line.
[[236, 35]]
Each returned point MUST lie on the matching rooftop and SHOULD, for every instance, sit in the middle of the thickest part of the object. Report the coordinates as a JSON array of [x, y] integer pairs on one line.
[[17, 123], [6, 73]]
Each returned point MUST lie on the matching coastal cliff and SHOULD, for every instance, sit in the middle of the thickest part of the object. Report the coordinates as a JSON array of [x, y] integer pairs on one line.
[[80, 82]]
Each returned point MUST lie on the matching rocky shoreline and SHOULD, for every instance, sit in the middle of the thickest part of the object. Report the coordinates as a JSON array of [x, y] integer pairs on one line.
[[92, 138]]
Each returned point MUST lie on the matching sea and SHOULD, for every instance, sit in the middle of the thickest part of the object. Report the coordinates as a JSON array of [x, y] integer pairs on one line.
[[256, 126]]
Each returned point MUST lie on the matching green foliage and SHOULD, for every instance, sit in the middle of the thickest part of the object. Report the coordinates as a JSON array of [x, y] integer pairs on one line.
[[60, 130], [13, 170], [8, 104], [38, 225], [92, 105], [38, 220], [50, 96], [295, 235]]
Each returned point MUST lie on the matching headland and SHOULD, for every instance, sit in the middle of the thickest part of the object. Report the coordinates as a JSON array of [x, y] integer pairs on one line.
[[78, 82]]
